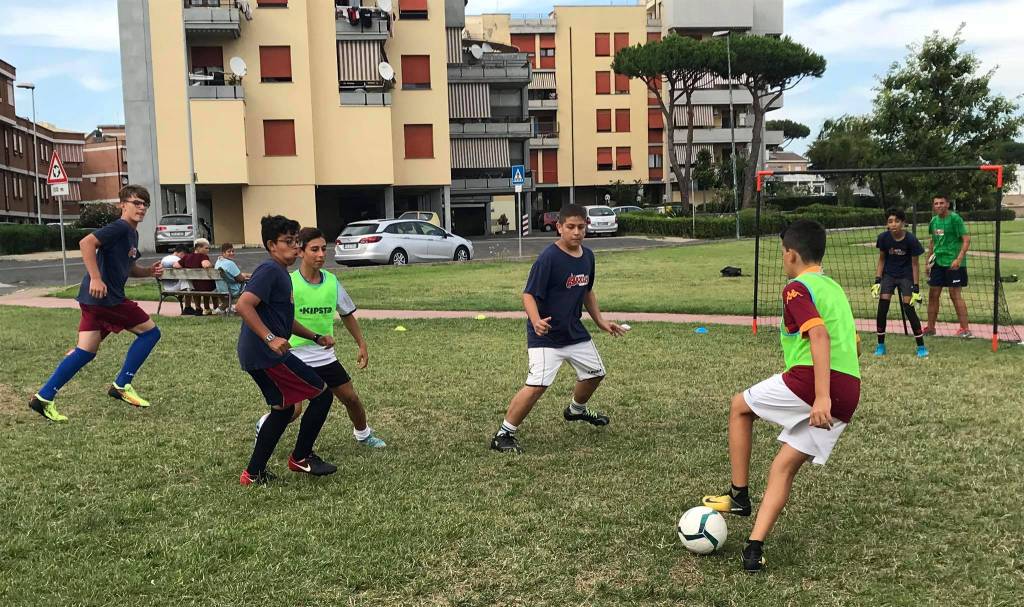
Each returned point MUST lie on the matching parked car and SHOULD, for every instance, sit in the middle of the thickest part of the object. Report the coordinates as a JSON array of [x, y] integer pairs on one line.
[[627, 209], [601, 220], [426, 216], [173, 230], [398, 242], [548, 221]]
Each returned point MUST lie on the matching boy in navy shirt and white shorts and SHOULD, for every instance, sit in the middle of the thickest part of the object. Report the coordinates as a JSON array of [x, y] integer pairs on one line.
[[561, 283]]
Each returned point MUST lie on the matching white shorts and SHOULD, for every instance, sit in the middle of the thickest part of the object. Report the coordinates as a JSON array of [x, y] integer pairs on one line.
[[545, 362], [773, 401]]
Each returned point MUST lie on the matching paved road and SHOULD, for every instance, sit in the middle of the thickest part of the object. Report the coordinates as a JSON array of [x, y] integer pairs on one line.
[[21, 274]]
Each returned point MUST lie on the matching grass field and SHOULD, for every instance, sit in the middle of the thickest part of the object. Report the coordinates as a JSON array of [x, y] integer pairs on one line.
[[142, 507]]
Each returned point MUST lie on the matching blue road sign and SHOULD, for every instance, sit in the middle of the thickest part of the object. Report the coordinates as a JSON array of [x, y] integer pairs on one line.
[[518, 174]]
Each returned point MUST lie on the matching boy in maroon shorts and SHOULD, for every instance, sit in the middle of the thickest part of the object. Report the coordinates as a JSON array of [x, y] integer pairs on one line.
[[109, 255]]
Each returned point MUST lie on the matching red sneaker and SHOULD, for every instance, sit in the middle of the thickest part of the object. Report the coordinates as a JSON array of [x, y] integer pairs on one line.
[[262, 478]]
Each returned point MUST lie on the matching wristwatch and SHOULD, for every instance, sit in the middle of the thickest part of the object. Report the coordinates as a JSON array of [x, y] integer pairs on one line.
[[270, 337], [316, 338]]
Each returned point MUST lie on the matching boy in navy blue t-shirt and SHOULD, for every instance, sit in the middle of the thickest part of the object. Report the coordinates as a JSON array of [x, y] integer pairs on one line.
[[561, 283], [268, 320], [898, 268]]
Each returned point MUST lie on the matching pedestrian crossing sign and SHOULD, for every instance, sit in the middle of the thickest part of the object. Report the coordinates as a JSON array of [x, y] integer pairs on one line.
[[518, 174]]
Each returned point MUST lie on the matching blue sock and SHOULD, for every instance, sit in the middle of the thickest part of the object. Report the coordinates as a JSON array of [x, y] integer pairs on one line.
[[137, 354], [72, 364]]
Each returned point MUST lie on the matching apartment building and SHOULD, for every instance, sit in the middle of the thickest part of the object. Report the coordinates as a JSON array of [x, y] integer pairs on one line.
[[594, 127], [23, 169], [105, 169]]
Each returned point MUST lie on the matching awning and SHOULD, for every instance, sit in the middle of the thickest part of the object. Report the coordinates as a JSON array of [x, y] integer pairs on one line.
[[703, 115], [358, 60], [480, 154], [543, 81], [454, 44], [469, 100], [694, 150], [69, 152]]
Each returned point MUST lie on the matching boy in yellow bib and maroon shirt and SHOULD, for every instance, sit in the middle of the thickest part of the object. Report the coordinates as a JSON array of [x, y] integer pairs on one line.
[[813, 399]]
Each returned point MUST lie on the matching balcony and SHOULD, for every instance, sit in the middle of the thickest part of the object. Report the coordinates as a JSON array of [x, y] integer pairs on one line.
[[216, 91], [740, 97], [365, 97], [720, 15], [543, 141], [488, 185], [544, 104], [212, 18], [513, 68], [723, 135], [369, 24], [469, 130], [532, 25]]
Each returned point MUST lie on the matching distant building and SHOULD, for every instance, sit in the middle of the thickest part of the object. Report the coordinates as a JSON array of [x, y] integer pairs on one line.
[[106, 164], [789, 161]]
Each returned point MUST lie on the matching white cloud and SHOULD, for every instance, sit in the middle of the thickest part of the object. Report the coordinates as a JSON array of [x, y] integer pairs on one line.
[[89, 26], [86, 72]]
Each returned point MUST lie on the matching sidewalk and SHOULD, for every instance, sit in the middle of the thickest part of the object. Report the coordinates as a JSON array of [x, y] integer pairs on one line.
[[32, 298]]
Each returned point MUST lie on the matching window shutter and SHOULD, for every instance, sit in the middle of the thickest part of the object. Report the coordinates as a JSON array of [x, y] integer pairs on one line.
[[419, 141], [601, 45], [622, 121], [206, 56], [604, 159], [621, 83], [604, 121], [416, 71], [623, 160], [279, 137], [621, 41], [276, 63], [604, 83], [655, 119]]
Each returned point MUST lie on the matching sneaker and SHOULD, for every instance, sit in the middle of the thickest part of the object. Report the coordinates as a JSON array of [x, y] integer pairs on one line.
[[311, 464], [594, 418], [964, 333], [727, 503], [206, 312], [128, 395], [928, 331], [372, 441], [218, 312], [506, 443], [922, 352], [880, 350], [262, 478], [753, 559], [46, 408]]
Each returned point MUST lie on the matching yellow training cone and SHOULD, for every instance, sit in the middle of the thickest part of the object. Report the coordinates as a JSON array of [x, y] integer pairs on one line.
[[400, 328], [480, 317]]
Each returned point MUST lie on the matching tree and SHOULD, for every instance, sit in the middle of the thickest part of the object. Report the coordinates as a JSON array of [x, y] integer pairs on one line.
[[704, 172], [685, 64], [1005, 152], [790, 130], [936, 109], [621, 193], [97, 215], [846, 142], [767, 67]]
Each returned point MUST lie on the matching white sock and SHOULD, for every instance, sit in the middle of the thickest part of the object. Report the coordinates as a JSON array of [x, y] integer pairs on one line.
[[362, 434], [577, 408], [507, 428]]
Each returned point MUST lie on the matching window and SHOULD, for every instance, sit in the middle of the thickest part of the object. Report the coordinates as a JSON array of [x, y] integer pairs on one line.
[[655, 119], [654, 158], [275, 64], [279, 137], [623, 159], [272, 3], [550, 173], [419, 141], [534, 161], [412, 9], [602, 48], [547, 51], [653, 36], [526, 43], [654, 135], [203, 57], [604, 159], [604, 83], [604, 121], [622, 121], [621, 41], [415, 71], [428, 229], [10, 93], [621, 84]]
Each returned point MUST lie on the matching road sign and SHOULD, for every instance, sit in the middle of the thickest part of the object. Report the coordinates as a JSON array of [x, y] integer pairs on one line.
[[56, 172], [60, 189], [518, 174]]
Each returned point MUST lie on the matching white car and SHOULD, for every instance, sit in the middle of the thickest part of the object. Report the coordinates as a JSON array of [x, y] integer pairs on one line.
[[398, 242], [601, 220]]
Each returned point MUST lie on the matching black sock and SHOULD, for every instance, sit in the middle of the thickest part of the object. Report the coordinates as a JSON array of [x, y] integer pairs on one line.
[[312, 421], [883, 315], [740, 493], [266, 440], [915, 323]]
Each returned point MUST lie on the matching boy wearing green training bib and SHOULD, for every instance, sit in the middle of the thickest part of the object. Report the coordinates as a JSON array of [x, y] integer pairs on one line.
[[813, 399]]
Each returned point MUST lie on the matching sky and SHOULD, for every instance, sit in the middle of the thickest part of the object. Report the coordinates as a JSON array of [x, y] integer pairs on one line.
[[69, 49]]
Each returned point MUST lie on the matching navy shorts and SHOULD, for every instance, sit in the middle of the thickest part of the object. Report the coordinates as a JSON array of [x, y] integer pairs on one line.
[[333, 374], [948, 277], [288, 382], [890, 284]]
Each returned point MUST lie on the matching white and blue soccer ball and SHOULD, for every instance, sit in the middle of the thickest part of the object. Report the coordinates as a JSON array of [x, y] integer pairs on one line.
[[702, 530]]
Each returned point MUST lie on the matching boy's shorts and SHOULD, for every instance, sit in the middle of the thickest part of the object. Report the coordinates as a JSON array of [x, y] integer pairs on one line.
[[111, 319], [890, 284], [943, 276], [288, 382], [773, 401], [333, 374], [545, 362]]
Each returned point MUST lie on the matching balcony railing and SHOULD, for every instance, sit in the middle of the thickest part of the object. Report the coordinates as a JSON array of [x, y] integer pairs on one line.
[[544, 140], [362, 24], [523, 129], [544, 104], [365, 97], [214, 17], [216, 91], [488, 184]]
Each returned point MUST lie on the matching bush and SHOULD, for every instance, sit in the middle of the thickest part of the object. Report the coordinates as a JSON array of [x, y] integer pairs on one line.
[[97, 215], [32, 238]]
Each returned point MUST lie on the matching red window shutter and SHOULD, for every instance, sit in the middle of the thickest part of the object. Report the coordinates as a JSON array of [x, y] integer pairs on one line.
[[604, 83], [655, 119], [622, 121], [550, 174], [654, 136], [207, 56], [602, 48], [623, 159], [653, 36], [534, 161], [621, 41], [416, 70], [604, 121], [604, 159], [419, 141], [271, 2], [279, 137], [621, 83], [526, 43], [419, 6], [655, 173], [275, 63], [547, 41]]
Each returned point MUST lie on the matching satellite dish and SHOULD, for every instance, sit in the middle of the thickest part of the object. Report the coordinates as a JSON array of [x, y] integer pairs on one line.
[[384, 5], [476, 51], [487, 48], [386, 71], [237, 65]]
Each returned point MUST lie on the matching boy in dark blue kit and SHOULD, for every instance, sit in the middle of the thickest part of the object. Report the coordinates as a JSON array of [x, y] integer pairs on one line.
[[109, 255], [268, 320], [561, 283], [898, 268]]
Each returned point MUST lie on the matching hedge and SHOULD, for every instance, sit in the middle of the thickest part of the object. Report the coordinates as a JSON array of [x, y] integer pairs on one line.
[[32, 238]]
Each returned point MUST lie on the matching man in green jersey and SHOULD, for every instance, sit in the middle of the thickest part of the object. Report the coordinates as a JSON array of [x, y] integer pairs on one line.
[[949, 244]]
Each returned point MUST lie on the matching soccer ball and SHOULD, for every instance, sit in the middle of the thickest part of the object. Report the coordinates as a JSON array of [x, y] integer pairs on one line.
[[702, 530]]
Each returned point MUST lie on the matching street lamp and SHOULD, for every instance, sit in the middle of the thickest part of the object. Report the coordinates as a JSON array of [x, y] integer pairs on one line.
[[732, 125], [35, 150]]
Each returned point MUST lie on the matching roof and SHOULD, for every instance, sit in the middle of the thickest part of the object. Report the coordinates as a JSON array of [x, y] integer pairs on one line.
[[786, 157]]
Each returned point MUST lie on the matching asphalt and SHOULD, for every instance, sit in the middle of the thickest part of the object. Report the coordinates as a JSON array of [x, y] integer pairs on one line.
[[45, 269]]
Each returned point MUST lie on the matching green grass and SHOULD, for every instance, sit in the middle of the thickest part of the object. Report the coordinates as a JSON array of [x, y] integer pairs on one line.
[[131, 507]]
